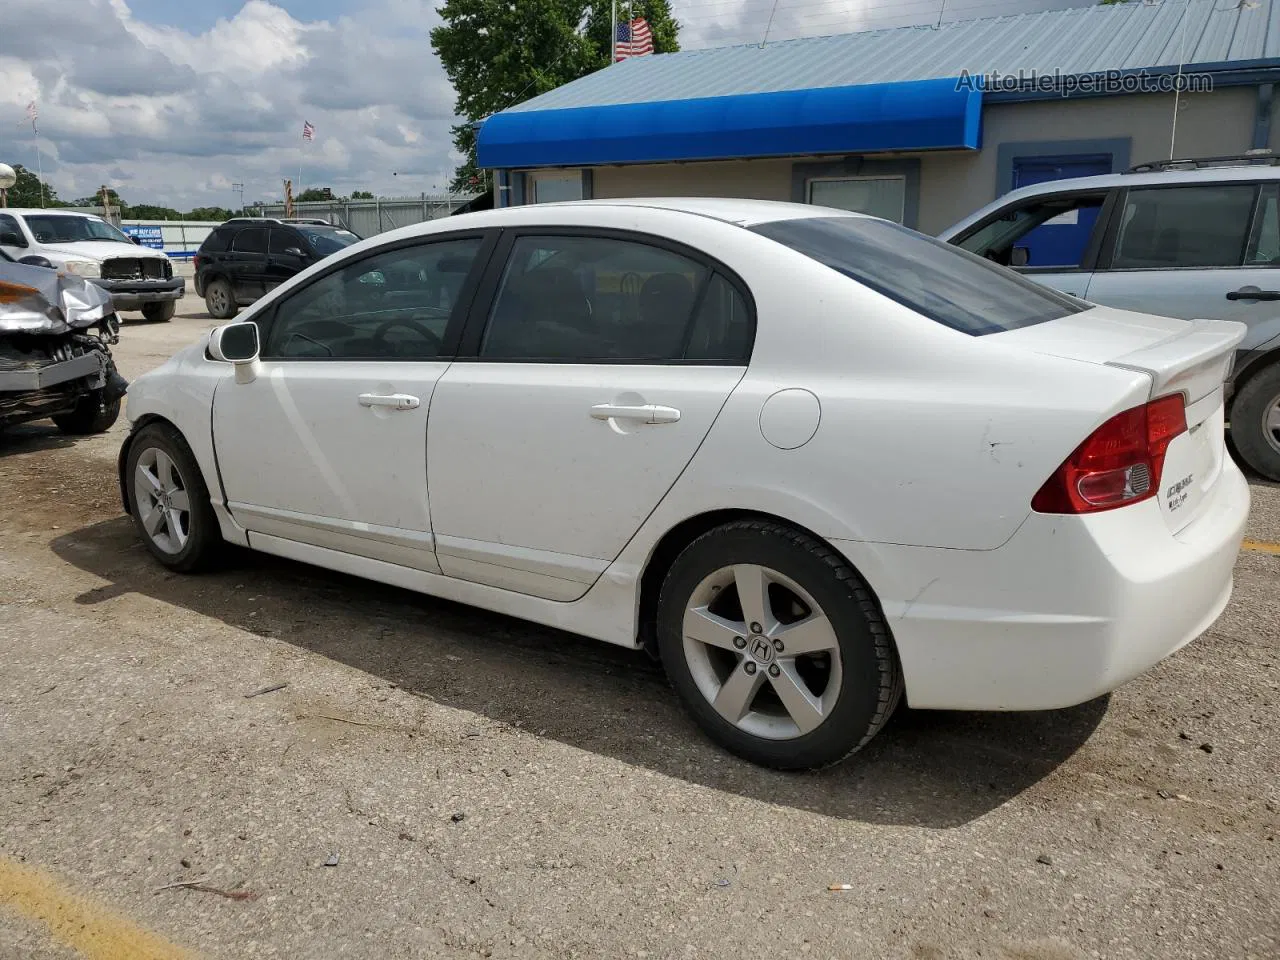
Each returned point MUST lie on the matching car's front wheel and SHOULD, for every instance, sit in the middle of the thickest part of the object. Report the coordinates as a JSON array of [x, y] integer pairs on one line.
[[90, 415], [1255, 422], [776, 646], [169, 500], [220, 300]]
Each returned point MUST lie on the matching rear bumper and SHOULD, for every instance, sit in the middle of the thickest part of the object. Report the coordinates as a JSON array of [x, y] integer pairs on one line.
[[131, 294], [1069, 609]]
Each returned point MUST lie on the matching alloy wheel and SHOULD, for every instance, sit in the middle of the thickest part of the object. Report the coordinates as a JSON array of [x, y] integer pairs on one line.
[[161, 499], [762, 652], [1271, 424]]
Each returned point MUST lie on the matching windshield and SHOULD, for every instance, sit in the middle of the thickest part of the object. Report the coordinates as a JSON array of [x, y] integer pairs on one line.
[[66, 229], [939, 281], [327, 240]]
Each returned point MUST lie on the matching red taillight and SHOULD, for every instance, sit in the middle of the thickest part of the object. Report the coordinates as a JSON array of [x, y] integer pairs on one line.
[[1119, 464], [196, 261]]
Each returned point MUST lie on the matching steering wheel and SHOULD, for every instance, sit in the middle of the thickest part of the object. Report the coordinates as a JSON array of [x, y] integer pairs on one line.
[[380, 333]]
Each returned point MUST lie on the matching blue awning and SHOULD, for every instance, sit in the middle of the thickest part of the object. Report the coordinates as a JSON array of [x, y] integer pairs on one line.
[[915, 115]]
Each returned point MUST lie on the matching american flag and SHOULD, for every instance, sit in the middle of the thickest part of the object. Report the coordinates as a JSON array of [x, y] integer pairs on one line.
[[634, 39], [308, 131]]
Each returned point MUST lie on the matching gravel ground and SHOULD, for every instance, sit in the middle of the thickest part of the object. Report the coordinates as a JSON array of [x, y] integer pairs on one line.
[[491, 788]]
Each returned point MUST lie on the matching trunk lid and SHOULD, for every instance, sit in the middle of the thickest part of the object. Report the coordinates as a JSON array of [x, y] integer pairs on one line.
[[1191, 357]]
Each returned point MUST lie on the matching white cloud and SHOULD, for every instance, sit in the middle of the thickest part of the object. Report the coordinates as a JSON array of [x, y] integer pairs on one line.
[[170, 116]]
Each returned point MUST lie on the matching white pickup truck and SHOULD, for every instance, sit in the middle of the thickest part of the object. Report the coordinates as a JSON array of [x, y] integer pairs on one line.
[[137, 277]]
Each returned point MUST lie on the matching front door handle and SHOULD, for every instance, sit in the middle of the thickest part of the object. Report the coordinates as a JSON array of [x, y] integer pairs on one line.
[[645, 413], [396, 401], [1253, 293]]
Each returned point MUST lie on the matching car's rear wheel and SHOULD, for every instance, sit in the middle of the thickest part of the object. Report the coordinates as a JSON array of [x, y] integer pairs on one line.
[[90, 415], [169, 500], [220, 300], [776, 646], [160, 311], [1255, 422]]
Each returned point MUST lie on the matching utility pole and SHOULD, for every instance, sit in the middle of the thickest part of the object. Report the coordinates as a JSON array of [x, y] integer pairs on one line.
[[239, 188]]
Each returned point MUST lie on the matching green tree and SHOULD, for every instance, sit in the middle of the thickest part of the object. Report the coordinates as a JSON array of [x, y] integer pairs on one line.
[[96, 200], [361, 195], [664, 27], [149, 211], [26, 192], [314, 193], [497, 53], [210, 213]]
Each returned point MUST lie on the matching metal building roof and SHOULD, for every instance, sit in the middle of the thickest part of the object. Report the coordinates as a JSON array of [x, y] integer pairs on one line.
[[1218, 34]]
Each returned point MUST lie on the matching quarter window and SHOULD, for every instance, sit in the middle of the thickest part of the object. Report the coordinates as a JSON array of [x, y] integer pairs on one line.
[[250, 240], [1201, 226], [1264, 243], [595, 299], [393, 305]]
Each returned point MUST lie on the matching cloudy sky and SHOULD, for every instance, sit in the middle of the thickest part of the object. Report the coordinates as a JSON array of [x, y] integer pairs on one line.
[[171, 102]]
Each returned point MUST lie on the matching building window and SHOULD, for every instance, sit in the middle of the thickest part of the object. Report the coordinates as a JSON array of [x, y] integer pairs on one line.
[[555, 186], [884, 197]]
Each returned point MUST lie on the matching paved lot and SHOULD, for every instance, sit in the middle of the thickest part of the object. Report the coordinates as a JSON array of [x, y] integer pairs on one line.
[[496, 789]]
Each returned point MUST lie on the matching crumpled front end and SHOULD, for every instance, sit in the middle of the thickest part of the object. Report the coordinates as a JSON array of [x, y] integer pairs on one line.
[[55, 337]]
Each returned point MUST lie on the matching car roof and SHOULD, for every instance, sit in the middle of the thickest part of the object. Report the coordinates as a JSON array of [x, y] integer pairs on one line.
[[53, 212]]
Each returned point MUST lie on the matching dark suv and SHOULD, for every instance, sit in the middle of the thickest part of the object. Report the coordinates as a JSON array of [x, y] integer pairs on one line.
[[243, 259]]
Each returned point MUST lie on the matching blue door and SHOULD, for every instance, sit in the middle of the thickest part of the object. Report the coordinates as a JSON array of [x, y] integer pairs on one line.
[[1060, 242]]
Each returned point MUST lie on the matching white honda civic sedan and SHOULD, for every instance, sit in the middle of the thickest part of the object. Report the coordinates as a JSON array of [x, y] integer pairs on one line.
[[813, 460]]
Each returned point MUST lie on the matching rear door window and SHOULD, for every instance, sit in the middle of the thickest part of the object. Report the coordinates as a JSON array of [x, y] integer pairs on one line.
[[1184, 227], [251, 240], [937, 280]]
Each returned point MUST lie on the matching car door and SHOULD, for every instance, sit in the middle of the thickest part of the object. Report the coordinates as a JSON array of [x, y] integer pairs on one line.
[[286, 256], [1053, 238], [1196, 251], [584, 386], [247, 263], [327, 445]]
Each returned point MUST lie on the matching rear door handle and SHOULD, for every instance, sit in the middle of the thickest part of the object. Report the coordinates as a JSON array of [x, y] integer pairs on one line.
[[396, 401], [645, 413], [1253, 293]]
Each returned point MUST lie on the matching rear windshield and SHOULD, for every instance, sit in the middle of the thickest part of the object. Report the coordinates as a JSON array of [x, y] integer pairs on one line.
[[327, 240], [948, 285]]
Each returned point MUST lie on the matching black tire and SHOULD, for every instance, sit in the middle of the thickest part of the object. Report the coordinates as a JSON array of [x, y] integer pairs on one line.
[[1249, 410], [869, 673], [203, 543], [220, 299], [90, 415], [160, 311]]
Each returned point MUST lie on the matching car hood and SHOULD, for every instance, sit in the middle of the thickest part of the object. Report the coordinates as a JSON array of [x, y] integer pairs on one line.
[[41, 300], [99, 250]]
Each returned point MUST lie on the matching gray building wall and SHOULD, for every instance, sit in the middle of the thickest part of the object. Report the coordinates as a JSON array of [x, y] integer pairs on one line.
[[954, 184]]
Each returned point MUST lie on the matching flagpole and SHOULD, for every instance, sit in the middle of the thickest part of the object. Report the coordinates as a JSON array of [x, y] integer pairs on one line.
[[613, 34], [35, 132]]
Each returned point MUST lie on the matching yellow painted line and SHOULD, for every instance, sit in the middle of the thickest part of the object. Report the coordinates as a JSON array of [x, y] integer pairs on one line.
[[77, 922], [1258, 546]]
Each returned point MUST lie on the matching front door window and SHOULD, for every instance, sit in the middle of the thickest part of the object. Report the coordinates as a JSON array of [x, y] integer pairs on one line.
[[1050, 232]]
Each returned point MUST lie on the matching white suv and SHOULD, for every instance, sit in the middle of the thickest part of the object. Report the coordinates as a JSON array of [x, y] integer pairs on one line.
[[138, 278], [1188, 238]]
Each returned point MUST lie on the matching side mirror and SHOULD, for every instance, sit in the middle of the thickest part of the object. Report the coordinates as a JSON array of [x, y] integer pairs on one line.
[[237, 343], [35, 261], [295, 252], [11, 239], [1019, 257]]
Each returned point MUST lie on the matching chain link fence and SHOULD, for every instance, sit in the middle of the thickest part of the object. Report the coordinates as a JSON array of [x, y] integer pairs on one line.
[[369, 217]]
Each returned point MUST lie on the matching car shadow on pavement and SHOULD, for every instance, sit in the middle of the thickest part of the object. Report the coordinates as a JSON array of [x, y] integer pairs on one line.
[[33, 437], [926, 768]]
